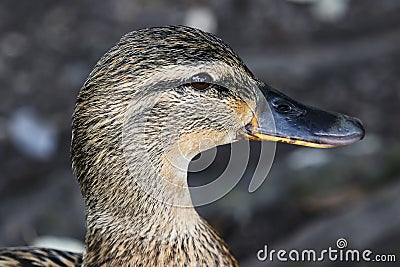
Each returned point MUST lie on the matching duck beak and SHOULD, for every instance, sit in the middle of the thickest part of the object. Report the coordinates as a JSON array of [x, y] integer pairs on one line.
[[282, 119]]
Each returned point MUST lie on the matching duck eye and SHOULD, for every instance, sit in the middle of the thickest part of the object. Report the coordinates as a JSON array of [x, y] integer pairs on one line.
[[201, 81], [284, 108]]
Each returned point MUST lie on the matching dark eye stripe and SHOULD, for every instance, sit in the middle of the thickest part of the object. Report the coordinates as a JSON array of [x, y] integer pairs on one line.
[[222, 91]]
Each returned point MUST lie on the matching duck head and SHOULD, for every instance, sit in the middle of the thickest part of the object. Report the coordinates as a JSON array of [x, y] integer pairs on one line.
[[154, 101]]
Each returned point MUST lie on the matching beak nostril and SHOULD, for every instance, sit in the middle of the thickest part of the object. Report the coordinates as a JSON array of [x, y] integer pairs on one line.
[[283, 108]]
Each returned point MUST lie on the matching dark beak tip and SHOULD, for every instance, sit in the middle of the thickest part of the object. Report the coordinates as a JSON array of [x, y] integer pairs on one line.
[[359, 127]]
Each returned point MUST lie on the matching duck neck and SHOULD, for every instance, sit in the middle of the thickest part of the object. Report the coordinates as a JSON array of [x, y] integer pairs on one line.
[[146, 218], [134, 182]]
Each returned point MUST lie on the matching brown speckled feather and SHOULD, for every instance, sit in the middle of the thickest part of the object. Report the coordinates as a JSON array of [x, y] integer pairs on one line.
[[126, 225], [145, 76], [154, 101], [40, 257]]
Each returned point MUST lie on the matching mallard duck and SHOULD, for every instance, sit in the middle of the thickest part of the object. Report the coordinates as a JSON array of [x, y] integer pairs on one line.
[[139, 120]]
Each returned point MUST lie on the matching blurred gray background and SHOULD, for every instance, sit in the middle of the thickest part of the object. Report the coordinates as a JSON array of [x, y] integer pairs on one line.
[[335, 54]]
